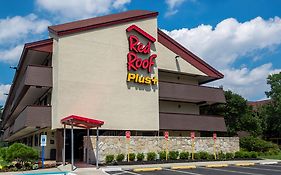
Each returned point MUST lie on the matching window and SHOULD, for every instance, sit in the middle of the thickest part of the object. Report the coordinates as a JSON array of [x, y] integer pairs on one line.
[[36, 140]]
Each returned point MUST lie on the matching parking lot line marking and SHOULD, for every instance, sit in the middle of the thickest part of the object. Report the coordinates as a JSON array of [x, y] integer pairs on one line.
[[183, 167], [254, 168], [232, 171], [147, 169], [216, 165], [183, 172], [245, 164]]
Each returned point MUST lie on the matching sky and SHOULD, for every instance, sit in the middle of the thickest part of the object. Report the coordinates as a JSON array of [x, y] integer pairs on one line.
[[240, 38]]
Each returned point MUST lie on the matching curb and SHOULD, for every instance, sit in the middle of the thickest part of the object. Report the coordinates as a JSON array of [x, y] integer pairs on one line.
[[147, 169], [216, 165], [268, 163], [244, 164], [183, 167]]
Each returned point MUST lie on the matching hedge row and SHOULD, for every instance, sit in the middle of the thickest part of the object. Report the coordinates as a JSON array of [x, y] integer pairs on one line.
[[251, 143], [174, 155]]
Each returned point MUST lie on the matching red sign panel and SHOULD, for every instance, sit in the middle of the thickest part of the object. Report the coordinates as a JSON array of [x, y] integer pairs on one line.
[[128, 134], [214, 136], [192, 135], [166, 134]]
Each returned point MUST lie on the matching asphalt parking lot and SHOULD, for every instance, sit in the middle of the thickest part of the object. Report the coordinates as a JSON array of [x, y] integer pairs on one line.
[[230, 170]]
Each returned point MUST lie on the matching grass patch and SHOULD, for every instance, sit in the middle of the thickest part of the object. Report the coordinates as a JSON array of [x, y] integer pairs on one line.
[[277, 156]]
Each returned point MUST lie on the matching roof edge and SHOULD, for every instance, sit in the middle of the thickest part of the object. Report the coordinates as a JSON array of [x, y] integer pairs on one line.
[[38, 43], [183, 52], [99, 25]]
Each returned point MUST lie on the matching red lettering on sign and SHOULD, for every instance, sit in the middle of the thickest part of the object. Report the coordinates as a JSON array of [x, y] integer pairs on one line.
[[134, 62], [138, 47]]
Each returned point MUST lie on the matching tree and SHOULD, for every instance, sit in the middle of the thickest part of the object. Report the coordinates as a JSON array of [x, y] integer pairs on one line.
[[271, 113], [238, 115], [274, 81]]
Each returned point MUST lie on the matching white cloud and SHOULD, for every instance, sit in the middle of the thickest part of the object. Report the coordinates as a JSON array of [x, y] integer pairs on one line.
[[251, 84], [228, 42], [17, 28], [173, 5], [11, 55], [4, 88], [73, 9]]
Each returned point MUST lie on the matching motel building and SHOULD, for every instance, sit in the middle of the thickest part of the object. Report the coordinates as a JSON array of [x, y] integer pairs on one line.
[[120, 69]]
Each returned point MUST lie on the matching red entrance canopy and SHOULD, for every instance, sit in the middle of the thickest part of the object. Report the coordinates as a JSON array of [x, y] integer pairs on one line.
[[82, 122]]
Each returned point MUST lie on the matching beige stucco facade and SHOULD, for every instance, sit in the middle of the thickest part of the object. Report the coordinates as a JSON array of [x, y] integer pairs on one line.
[[89, 78], [90, 71], [167, 61]]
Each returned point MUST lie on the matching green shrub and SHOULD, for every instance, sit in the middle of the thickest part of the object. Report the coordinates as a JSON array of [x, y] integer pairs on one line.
[[140, 156], [162, 155], [132, 156], [173, 155], [273, 152], [3, 153], [254, 154], [196, 156], [229, 156], [211, 157], [251, 143], [221, 156], [120, 157], [109, 158], [184, 155], [151, 156], [246, 154], [21, 153], [203, 155], [239, 154]]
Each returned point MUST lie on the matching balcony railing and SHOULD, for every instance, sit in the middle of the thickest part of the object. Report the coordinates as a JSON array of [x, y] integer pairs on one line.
[[173, 121], [40, 76], [190, 93], [33, 117]]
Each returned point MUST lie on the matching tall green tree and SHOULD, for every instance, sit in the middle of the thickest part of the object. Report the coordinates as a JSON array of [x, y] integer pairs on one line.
[[271, 113], [238, 115], [274, 81]]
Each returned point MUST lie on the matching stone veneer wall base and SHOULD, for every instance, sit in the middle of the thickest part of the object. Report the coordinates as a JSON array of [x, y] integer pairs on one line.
[[143, 144]]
